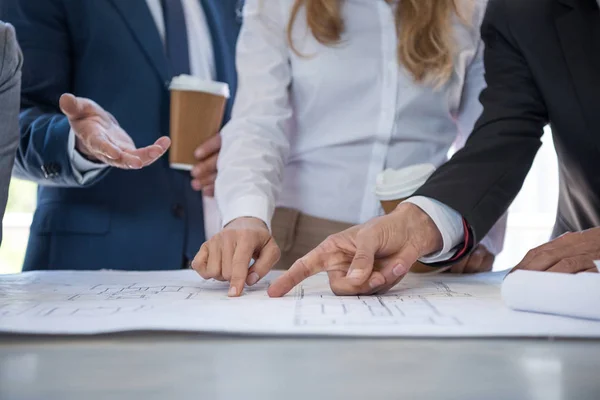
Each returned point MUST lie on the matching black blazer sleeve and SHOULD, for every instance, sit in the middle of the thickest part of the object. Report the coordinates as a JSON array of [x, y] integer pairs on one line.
[[482, 180]]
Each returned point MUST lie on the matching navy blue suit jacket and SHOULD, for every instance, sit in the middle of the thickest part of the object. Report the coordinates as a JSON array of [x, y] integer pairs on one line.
[[109, 51]]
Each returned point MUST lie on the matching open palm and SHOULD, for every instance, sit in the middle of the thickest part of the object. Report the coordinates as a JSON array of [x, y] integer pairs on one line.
[[100, 138]]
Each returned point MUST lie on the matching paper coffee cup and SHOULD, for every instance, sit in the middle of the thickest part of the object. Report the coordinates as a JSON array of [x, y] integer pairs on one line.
[[197, 109], [395, 186]]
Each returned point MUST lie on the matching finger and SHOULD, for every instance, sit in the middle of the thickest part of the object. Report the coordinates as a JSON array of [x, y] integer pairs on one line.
[[208, 183], [227, 252], [205, 168], [149, 154], [241, 263], [400, 264], [475, 261], [200, 261], [208, 180], [488, 262], [541, 258], [76, 108], [196, 185], [386, 288], [591, 270], [268, 257], [307, 266], [208, 148], [130, 161], [341, 286], [572, 265], [100, 146], [209, 191], [214, 267], [364, 258], [459, 267]]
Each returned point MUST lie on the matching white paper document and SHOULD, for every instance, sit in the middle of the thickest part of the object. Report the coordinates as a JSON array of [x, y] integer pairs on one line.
[[420, 306], [551, 293]]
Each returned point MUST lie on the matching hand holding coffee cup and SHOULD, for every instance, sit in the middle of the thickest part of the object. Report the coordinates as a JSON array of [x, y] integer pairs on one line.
[[197, 109], [204, 173]]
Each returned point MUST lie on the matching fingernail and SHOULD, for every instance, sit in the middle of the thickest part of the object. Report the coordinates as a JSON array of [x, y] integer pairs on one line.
[[399, 270], [232, 292], [376, 282], [252, 279], [130, 166], [199, 154], [356, 274]]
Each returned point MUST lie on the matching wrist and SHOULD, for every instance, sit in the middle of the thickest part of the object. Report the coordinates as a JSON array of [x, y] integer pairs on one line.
[[423, 231], [247, 223]]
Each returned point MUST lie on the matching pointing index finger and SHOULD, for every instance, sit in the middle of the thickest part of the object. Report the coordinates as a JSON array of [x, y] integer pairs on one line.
[[309, 265]]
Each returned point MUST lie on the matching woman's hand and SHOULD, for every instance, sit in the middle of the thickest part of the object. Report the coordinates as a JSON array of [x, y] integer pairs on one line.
[[227, 255]]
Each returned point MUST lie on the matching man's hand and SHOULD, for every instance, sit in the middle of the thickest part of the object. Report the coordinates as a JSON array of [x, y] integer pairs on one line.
[[204, 173], [99, 137], [571, 253], [480, 260], [227, 255], [393, 243]]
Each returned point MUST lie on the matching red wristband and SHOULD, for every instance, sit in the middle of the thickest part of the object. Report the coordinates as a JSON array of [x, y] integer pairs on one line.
[[466, 244]]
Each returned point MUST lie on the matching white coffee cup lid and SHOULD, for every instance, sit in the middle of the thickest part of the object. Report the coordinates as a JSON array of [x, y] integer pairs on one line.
[[402, 183], [194, 84]]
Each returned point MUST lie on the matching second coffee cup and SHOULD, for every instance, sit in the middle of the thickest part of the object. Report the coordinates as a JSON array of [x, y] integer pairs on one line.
[[197, 109]]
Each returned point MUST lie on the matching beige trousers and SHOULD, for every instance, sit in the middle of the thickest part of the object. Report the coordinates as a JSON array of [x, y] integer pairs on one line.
[[297, 234]]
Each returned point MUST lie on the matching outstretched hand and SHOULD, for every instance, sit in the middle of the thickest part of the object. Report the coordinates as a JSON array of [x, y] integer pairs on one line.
[[100, 138]]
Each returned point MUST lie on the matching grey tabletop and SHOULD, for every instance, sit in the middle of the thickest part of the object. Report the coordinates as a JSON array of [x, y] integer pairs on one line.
[[154, 366]]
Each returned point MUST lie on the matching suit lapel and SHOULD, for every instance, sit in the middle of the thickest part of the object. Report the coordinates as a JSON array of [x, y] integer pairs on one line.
[[138, 18], [578, 25]]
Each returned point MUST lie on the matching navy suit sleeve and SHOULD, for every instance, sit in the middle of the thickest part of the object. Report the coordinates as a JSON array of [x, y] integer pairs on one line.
[[48, 72]]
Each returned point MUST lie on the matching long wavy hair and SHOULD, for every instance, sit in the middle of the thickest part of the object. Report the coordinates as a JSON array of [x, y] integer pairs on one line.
[[424, 28]]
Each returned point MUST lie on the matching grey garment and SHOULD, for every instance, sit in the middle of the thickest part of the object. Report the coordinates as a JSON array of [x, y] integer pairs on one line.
[[10, 88]]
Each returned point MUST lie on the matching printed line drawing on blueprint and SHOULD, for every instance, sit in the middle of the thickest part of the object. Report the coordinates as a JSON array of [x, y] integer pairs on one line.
[[66, 310], [406, 305]]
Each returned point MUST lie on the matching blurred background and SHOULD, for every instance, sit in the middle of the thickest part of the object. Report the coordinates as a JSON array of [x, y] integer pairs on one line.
[[530, 221]]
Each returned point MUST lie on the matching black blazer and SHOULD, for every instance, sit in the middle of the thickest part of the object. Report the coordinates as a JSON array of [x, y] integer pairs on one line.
[[542, 63]]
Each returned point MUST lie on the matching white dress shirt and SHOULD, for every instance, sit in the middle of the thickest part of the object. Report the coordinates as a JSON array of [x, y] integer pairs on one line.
[[202, 64], [312, 131]]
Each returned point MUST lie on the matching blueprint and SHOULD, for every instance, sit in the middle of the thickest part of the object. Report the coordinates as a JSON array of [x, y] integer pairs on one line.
[[443, 305]]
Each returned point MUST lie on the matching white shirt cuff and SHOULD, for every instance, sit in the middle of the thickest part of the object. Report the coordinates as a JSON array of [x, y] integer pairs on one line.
[[449, 223], [248, 206], [83, 169]]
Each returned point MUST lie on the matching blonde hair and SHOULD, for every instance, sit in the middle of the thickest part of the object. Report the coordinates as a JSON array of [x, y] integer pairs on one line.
[[424, 28]]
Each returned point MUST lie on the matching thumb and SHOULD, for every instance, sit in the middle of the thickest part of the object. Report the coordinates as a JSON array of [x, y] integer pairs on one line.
[[364, 258], [70, 106], [78, 108], [400, 263]]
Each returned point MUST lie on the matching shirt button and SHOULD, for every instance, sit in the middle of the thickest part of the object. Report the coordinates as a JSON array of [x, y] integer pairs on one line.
[[178, 211]]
